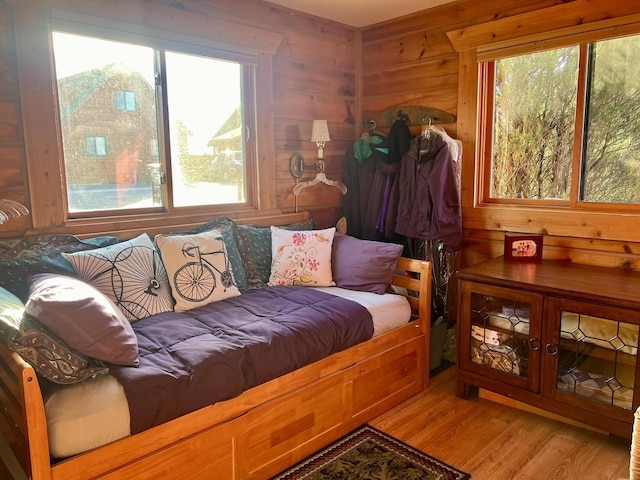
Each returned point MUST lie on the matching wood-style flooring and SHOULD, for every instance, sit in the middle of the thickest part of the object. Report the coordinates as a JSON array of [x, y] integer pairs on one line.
[[495, 442]]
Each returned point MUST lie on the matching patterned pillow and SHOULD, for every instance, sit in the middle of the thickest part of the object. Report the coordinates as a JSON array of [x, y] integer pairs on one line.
[[20, 258], [129, 273], [50, 357], [301, 257], [255, 250], [11, 312], [229, 230], [198, 267]]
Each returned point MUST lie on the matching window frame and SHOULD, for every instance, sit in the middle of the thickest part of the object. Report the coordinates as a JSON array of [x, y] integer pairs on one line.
[[36, 78], [486, 121], [126, 94], [248, 65], [95, 146], [527, 32]]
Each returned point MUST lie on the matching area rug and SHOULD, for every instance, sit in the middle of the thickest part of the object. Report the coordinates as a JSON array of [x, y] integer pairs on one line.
[[367, 454]]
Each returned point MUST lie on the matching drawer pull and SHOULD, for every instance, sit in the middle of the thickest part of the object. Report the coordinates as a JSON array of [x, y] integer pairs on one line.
[[551, 348], [534, 344]]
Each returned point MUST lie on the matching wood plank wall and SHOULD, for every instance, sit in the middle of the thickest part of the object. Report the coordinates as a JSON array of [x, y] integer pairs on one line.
[[410, 60], [345, 75], [13, 169], [313, 77]]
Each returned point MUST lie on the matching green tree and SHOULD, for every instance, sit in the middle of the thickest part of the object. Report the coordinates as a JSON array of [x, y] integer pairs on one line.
[[535, 102], [534, 125], [612, 150]]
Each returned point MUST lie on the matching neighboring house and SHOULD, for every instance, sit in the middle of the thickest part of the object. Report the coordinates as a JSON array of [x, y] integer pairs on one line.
[[228, 138], [108, 122]]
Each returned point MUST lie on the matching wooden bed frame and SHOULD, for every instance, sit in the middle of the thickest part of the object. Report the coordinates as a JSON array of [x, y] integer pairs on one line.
[[254, 436]]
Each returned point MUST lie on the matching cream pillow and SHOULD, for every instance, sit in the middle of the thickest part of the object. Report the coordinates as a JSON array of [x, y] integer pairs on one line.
[[301, 257], [198, 268]]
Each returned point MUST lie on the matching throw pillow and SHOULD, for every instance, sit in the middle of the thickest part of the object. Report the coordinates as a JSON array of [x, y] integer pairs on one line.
[[301, 257], [50, 357], [198, 267], [130, 273], [23, 257], [83, 318], [255, 250], [11, 312], [363, 265], [231, 238]]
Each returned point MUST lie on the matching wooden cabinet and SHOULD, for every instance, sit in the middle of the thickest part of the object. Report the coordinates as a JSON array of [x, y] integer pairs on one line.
[[557, 336]]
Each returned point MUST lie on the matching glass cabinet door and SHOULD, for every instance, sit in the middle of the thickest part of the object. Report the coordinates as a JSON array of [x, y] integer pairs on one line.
[[594, 352], [501, 334]]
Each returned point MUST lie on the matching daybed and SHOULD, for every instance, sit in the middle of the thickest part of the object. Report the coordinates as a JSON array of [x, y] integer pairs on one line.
[[256, 434]]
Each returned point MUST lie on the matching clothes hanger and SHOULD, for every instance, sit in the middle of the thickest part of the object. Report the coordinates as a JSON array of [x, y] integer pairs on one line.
[[320, 178], [372, 130], [10, 209], [426, 132]]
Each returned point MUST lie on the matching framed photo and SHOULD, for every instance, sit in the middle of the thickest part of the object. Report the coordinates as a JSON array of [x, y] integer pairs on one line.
[[519, 247]]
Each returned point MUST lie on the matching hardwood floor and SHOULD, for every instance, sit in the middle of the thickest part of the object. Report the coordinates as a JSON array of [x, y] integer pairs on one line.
[[495, 442]]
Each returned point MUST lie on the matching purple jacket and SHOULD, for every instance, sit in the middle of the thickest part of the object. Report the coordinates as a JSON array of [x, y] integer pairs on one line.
[[425, 202]]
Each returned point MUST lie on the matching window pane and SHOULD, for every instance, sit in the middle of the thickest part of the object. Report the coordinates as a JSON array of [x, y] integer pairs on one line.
[[535, 105], [206, 134], [90, 73], [612, 149]]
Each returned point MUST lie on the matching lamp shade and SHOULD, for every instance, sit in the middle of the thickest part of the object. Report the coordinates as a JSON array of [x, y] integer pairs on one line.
[[320, 131]]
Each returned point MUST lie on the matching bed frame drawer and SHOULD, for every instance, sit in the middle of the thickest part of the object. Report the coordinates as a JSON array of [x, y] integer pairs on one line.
[[287, 430]]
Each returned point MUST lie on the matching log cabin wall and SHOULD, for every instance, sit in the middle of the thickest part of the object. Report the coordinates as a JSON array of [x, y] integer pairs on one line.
[[310, 76], [411, 61], [322, 69]]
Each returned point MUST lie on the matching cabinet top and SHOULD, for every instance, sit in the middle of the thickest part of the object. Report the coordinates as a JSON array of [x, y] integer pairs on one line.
[[560, 278]]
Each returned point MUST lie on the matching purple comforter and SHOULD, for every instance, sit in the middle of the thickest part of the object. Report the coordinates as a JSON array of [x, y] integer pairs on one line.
[[192, 359]]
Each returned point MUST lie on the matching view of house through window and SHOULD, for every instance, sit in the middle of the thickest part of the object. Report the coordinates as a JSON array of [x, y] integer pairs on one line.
[[113, 125], [539, 118]]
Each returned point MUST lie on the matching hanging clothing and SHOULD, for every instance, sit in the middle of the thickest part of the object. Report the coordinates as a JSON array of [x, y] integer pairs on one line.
[[399, 140], [365, 179], [425, 203]]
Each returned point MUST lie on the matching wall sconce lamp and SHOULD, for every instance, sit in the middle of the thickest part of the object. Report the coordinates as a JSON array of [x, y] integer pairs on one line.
[[10, 209], [320, 135]]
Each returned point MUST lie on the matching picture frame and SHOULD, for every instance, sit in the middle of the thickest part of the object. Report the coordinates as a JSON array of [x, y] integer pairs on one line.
[[521, 247]]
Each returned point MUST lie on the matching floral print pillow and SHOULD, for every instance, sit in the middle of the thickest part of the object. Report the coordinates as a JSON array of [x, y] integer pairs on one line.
[[301, 257]]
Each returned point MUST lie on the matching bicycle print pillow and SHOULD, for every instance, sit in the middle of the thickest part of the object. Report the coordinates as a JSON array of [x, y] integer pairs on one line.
[[130, 273], [198, 268]]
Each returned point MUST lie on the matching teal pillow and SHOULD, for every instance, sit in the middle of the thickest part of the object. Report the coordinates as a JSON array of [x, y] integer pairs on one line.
[[255, 249], [11, 313], [23, 257]]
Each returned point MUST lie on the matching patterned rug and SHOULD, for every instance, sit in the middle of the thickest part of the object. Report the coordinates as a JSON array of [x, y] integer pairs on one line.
[[366, 454]]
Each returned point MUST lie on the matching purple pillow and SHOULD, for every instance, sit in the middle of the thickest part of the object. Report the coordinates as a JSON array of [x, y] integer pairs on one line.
[[85, 319], [363, 265]]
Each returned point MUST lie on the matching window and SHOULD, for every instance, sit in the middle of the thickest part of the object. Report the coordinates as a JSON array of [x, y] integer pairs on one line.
[[189, 112], [563, 125], [96, 146], [126, 101]]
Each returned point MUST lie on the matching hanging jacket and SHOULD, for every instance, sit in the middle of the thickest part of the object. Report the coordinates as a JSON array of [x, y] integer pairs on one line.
[[425, 202], [365, 180]]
